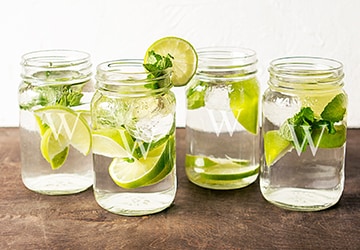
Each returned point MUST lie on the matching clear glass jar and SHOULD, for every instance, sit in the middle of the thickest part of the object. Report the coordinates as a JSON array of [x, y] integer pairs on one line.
[[133, 122], [54, 98], [222, 131], [304, 133]]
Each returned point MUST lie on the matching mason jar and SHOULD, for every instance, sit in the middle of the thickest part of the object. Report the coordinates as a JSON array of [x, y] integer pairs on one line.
[[133, 124], [54, 101], [304, 133], [222, 129]]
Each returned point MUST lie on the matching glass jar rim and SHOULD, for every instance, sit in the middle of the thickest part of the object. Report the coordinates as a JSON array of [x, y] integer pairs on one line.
[[304, 66], [114, 71], [56, 67], [54, 58], [223, 54], [226, 63], [129, 74], [308, 71]]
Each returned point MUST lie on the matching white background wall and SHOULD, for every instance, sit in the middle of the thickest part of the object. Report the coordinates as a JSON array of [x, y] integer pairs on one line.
[[113, 29]]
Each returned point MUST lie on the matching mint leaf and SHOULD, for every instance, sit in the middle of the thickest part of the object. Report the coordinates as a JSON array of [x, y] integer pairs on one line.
[[304, 117], [157, 66]]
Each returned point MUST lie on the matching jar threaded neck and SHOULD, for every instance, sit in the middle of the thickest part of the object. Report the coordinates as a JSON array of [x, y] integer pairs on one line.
[[306, 73]]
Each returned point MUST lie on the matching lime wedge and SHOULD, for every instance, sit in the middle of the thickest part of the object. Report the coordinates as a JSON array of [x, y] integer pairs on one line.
[[112, 142], [69, 124], [169, 163], [42, 127], [185, 57], [317, 102], [275, 146], [336, 109], [55, 151], [244, 98], [330, 140], [134, 173]]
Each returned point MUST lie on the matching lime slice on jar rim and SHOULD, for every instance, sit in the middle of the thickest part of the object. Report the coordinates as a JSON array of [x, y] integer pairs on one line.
[[185, 60]]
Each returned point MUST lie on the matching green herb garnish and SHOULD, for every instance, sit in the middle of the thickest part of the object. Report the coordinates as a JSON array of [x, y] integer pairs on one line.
[[157, 66], [305, 121]]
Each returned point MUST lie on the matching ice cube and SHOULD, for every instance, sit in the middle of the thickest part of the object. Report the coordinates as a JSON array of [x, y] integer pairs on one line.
[[217, 97], [150, 118], [278, 111]]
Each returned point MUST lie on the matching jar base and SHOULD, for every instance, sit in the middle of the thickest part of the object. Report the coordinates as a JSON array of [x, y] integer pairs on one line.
[[301, 199], [224, 185], [135, 204], [58, 184]]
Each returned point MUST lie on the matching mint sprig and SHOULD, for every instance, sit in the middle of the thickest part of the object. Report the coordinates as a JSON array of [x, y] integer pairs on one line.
[[69, 97], [157, 66], [333, 112], [63, 95]]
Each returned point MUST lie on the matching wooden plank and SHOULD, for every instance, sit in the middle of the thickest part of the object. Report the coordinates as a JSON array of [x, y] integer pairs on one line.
[[199, 219]]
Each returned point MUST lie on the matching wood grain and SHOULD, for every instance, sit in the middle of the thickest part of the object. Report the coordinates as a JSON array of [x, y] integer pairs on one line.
[[199, 218]]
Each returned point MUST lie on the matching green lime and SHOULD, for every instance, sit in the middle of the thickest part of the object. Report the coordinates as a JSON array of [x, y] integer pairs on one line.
[[195, 95], [220, 169], [185, 57], [336, 109], [134, 173], [229, 171], [275, 146], [69, 124], [198, 161], [42, 127], [329, 140], [55, 151], [112, 142], [169, 160], [244, 98]]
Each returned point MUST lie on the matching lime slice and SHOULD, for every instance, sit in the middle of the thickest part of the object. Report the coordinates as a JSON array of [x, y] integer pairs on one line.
[[69, 124], [275, 146], [244, 98], [55, 151], [220, 169], [185, 57], [112, 142], [134, 173], [229, 171]]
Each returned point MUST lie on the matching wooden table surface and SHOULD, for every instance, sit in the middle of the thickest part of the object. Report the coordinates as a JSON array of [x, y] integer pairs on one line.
[[199, 219]]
